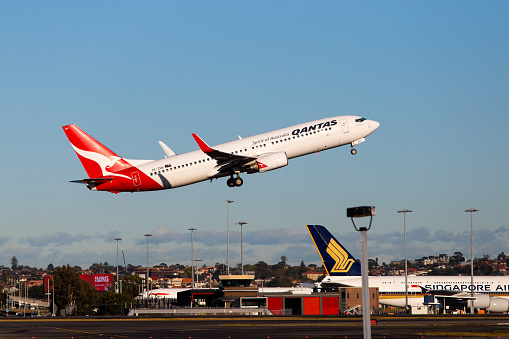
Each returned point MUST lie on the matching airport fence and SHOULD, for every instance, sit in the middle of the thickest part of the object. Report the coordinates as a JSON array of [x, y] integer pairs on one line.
[[387, 311], [286, 311], [154, 303]]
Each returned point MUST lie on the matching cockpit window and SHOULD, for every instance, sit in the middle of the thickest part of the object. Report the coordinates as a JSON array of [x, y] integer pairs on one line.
[[360, 120]]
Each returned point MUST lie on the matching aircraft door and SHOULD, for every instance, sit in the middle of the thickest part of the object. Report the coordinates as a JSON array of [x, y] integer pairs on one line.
[[344, 125], [136, 178]]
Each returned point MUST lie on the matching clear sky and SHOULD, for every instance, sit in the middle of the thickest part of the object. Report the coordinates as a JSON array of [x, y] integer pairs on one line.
[[130, 73]]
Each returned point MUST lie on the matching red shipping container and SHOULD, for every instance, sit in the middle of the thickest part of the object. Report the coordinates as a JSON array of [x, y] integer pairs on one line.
[[330, 305], [311, 305], [275, 304]]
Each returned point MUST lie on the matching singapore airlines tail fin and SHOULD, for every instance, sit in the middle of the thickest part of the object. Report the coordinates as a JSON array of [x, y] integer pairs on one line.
[[336, 259]]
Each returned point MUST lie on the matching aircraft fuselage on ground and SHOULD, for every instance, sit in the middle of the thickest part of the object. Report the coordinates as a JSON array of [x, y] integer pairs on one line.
[[489, 292], [259, 153]]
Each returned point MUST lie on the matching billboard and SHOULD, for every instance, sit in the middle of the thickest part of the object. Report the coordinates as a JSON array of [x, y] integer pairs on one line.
[[48, 284], [101, 282]]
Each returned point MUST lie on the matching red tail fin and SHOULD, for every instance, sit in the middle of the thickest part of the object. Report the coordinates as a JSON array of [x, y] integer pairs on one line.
[[97, 159]]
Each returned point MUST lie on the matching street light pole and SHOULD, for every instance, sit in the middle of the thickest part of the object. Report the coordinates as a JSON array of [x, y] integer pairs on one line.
[[53, 295], [406, 263], [192, 265], [147, 235], [116, 289], [359, 212], [471, 210], [228, 202], [192, 229], [241, 223], [196, 261]]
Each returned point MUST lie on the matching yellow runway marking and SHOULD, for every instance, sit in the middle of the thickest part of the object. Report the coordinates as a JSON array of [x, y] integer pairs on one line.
[[86, 332]]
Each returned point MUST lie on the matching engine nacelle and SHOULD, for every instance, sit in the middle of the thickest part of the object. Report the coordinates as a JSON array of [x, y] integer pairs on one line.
[[498, 305], [269, 162], [480, 301]]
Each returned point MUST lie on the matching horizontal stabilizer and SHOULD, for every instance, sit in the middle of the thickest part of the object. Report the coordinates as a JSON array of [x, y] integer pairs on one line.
[[166, 149], [93, 182]]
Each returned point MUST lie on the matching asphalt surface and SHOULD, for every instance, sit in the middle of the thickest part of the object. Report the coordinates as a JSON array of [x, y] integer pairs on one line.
[[255, 327]]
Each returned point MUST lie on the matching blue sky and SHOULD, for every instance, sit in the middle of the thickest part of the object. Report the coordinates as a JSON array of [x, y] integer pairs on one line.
[[435, 75]]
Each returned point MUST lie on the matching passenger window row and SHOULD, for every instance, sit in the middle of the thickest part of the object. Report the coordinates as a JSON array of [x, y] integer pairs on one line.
[[179, 167], [240, 151]]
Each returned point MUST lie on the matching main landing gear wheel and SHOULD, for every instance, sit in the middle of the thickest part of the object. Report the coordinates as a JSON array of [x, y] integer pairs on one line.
[[353, 151], [234, 182], [238, 181], [230, 182]]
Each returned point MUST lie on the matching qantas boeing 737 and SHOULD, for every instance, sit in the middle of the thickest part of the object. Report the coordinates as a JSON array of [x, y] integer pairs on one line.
[[259, 153]]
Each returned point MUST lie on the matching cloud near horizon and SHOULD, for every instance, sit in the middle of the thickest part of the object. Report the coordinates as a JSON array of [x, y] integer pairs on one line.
[[57, 238], [168, 245], [164, 235]]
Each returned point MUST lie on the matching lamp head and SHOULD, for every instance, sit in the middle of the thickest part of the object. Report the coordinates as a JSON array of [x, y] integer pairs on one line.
[[360, 212]]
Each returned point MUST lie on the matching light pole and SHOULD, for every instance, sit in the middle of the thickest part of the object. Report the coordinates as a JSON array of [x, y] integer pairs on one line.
[[241, 223], [192, 267], [359, 212], [228, 202], [147, 235], [192, 229], [196, 261], [406, 264], [117, 239], [53, 295], [472, 210]]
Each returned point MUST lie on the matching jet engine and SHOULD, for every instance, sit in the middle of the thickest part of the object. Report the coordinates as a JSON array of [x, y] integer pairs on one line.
[[268, 162], [498, 305], [480, 301]]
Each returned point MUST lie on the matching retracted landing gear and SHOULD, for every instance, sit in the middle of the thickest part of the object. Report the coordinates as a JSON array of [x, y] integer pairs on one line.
[[235, 182]]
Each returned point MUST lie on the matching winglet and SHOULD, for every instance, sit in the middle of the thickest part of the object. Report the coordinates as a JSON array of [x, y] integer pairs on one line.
[[203, 145]]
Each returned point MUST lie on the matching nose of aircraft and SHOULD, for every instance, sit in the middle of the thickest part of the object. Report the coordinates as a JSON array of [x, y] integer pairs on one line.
[[374, 124]]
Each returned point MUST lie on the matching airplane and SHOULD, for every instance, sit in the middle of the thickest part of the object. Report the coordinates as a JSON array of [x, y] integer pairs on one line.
[[171, 293], [259, 153], [343, 270]]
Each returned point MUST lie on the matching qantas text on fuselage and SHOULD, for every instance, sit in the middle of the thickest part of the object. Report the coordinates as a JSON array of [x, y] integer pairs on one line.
[[259, 153]]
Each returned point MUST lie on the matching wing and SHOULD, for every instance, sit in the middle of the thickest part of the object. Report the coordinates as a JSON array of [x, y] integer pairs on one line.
[[226, 161], [93, 182], [336, 284], [451, 294]]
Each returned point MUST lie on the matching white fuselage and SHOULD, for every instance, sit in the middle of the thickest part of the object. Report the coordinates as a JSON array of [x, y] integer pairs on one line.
[[295, 141], [392, 288]]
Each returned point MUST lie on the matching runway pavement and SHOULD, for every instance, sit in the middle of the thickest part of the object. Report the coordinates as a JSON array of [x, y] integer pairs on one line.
[[255, 327]]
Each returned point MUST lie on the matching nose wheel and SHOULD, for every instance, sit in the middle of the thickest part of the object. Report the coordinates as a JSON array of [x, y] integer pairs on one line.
[[353, 151], [234, 182]]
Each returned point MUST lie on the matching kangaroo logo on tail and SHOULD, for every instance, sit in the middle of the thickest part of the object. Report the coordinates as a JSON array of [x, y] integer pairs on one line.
[[336, 259], [97, 159]]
